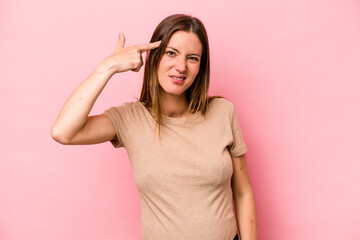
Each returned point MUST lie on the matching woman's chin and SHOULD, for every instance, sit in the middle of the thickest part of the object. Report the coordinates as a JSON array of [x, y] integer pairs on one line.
[[172, 92]]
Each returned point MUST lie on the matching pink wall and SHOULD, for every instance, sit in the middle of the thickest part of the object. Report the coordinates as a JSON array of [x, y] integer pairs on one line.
[[290, 67]]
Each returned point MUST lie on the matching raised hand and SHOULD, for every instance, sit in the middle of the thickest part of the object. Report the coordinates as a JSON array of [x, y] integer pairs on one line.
[[129, 58]]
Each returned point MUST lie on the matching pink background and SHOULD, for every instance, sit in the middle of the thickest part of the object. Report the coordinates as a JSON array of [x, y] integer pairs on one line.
[[292, 69]]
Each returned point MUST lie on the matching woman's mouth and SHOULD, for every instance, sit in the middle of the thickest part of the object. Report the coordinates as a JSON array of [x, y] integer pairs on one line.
[[178, 79]]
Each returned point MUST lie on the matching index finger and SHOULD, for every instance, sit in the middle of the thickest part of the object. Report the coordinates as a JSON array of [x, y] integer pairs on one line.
[[148, 46]]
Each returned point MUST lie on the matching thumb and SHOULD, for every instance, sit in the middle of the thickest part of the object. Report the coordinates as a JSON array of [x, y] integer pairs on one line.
[[121, 40]]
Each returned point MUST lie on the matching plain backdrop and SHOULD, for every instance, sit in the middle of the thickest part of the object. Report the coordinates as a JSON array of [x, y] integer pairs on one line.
[[291, 68]]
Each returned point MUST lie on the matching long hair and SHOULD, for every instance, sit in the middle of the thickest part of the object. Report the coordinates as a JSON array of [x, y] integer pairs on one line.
[[197, 93]]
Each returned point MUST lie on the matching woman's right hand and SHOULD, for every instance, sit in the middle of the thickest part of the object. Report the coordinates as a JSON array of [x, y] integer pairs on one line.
[[128, 58], [73, 124]]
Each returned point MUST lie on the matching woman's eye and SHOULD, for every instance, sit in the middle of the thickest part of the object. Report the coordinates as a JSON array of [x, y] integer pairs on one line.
[[194, 59], [170, 53]]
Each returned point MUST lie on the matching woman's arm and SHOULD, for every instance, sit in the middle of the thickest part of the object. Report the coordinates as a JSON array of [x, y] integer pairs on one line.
[[73, 125], [244, 199], [74, 114]]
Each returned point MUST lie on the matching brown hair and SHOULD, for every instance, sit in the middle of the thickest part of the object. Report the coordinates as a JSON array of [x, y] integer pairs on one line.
[[197, 93]]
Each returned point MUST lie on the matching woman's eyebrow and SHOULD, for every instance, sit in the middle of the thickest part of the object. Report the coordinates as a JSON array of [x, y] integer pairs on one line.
[[179, 51]]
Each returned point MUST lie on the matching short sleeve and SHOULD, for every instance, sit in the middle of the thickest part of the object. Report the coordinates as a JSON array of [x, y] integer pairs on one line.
[[120, 116], [237, 147]]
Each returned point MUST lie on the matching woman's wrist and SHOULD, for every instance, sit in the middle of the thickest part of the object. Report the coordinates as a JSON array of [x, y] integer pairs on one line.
[[106, 67]]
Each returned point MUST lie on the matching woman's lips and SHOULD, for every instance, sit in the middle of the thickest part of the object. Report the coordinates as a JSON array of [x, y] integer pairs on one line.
[[178, 79]]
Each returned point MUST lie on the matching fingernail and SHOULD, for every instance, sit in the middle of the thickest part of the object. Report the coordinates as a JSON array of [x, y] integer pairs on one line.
[[159, 42], [119, 34]]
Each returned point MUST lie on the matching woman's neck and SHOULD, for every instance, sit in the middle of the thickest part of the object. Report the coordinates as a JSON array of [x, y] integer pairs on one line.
[[174, 106]]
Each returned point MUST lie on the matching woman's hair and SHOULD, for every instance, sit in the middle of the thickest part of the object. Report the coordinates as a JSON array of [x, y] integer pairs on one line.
[[197, 93]]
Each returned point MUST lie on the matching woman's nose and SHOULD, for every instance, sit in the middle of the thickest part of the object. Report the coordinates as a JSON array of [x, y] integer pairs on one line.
[[180, 65]]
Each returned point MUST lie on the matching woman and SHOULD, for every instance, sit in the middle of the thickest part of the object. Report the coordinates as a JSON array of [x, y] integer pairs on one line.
[[188, 173]]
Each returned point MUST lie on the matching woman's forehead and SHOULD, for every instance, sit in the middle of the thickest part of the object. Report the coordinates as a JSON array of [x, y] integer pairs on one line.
[[185, 41]]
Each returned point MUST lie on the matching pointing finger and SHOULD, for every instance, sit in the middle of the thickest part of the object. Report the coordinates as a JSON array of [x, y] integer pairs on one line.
[[148, 46]]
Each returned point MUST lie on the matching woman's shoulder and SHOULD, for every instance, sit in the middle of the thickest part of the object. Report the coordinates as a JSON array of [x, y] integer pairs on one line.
[[129, 105], [220, 102], [126, 108]]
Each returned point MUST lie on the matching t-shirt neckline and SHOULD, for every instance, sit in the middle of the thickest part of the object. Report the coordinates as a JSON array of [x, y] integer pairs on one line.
[[177, 121]]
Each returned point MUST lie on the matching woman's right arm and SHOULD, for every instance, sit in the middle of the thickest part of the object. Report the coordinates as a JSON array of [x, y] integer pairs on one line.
[[73, 124]]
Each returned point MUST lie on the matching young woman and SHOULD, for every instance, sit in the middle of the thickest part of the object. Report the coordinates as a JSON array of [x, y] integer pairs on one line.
[[190, 170]]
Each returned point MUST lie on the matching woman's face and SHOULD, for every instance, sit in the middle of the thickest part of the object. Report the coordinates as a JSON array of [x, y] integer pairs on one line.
[[180, 63]]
